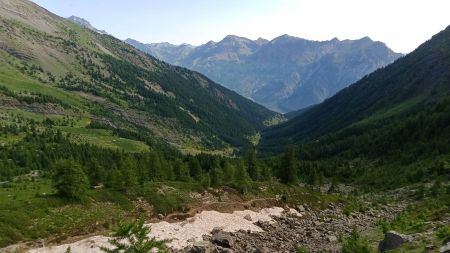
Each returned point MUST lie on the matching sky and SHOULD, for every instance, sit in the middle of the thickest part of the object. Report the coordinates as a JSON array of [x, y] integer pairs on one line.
[[401, 24]]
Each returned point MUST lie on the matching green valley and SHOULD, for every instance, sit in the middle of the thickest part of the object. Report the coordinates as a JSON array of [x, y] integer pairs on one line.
[[101, 144]]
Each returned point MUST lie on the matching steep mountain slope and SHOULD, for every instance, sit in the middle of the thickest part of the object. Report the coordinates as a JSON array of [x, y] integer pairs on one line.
[[404, 97], [285, 74], [50, 66]]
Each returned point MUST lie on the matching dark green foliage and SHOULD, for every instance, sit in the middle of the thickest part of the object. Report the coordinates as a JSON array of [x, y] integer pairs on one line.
[[69, 179], [288, 168], [181, 171], [132, 237], [301, 249], [242, 178], [252, 164], [355, 244]]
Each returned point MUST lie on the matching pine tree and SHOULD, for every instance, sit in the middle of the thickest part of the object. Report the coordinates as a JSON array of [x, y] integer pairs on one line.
[[195, 169], [69, 179], [216, 176], [252, 164], [181, 171], [128, 170], [289, 166], [133, 238], [241, 177], [228, 172]]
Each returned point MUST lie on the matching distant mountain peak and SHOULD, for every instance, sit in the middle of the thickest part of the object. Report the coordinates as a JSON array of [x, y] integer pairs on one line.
[[84, 23], [285, 38], [261, 41]]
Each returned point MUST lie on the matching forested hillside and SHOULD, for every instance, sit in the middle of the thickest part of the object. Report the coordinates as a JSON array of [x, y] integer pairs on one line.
[[51, 66], [388, 129]]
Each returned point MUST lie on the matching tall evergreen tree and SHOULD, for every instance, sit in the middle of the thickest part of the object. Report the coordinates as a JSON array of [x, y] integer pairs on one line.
[[288, 168], [128, 170], [252, 164], [69, 179], [241, 177], [181, 171], [195, 169]]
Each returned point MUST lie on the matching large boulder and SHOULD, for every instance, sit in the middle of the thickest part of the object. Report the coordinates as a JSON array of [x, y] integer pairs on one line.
[[392, 240], [222, 238]]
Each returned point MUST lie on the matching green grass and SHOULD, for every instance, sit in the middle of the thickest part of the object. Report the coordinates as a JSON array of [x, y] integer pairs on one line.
[[16, 81], [29, 210], [104, 138]]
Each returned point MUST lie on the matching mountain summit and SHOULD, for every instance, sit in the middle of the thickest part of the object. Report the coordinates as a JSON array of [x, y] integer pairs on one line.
[[84, 23], [284, 74]]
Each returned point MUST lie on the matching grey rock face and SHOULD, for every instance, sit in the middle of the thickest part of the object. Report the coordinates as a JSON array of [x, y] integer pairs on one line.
[[392, 240]]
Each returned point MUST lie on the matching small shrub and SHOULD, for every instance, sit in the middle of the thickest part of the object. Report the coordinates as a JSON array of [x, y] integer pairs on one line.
[[443, 232], [355, 244], [132, 237]]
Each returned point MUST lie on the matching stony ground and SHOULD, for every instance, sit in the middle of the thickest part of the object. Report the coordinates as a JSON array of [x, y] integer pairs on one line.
[[315, 230]]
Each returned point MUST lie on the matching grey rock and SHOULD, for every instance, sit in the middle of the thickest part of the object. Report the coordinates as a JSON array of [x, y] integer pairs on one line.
[[248, 217], [202, 247], [392, 240], [223, 239], [332, 238], [301, 208], [445, 248]]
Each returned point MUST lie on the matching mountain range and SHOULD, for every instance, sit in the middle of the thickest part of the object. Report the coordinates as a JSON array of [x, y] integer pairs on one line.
[[284, 74], [52, 67]]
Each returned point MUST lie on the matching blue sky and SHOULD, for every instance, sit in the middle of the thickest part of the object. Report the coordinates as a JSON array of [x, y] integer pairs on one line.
[[401, 24]]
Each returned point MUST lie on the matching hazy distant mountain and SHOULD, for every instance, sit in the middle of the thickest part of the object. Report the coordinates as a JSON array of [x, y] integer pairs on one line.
[[84, 23], [284, 74]]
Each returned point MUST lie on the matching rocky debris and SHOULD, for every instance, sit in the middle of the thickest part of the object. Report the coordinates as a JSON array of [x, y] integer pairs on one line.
[[392, 240], [316, 230]]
